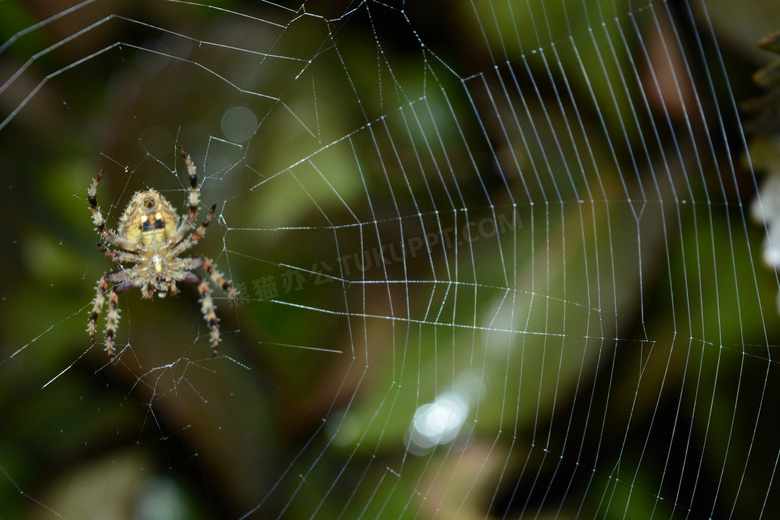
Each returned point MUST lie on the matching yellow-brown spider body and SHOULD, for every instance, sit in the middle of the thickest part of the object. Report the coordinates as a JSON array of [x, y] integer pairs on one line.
[[148, 218], [151, 236]]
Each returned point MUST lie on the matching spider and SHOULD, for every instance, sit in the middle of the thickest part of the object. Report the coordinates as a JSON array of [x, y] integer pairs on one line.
[[151, 237]]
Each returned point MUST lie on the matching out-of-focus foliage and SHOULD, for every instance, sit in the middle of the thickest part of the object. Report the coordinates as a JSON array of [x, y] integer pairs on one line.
[[575, 328]]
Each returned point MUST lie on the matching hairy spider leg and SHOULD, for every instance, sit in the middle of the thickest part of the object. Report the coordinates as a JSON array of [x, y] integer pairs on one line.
[[207, 302], [207, 307], [197, 235], [105, 233], [208, 265], [113, 307], [119, 256], [192, 213]]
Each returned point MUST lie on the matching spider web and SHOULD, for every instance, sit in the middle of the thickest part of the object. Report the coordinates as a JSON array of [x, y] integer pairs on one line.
[[494, 261]]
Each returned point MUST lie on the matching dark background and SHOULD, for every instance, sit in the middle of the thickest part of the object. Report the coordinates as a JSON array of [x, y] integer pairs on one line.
[[616, 340]]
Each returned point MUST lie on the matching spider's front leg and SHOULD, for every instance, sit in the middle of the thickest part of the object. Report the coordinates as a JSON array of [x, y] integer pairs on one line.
[[105, 233], [192, 211], [193, 201], [92, 197], [197, 235]]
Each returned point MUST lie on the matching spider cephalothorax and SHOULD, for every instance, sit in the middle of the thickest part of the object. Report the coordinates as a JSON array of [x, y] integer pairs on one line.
[[151, 237]]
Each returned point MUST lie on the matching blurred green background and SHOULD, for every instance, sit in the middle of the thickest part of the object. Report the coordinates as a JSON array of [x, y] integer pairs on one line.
[[609, 330]]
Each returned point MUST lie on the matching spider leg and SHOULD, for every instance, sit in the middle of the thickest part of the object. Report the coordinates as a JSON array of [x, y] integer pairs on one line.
[[197, 235], [192, 213], [193, 173], [207, 306], [105, 233], [118, 256], [208, 265], [91, 195], [113, 318], [113, 310], [99, 300]]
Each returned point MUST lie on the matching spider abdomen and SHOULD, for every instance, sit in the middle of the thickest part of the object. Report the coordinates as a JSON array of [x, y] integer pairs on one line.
[[149, 218]]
